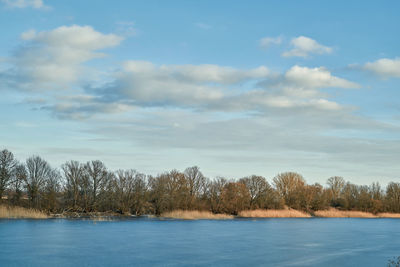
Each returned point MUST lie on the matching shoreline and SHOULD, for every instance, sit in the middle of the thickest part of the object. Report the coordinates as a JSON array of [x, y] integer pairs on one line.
[[24, 213]]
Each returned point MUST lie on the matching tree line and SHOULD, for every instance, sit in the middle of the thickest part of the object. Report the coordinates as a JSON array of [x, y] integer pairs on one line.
[[91, 187]]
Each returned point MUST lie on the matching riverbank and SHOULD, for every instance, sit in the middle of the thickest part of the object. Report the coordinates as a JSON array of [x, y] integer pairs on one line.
[[335, 213], [7, 212], [195, 215], [272, 213], [12, 212]]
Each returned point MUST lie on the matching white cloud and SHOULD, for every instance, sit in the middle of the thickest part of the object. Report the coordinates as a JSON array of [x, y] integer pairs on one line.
[[203, 25], [126, 28], [24, 3], [80, 107], [208, 88], [187, 85], [316, 78], [28, 35], [304, 46], [266, 42], [55, 59], [278, 103], [225, 89], [76, 37], [56, 56], [384, 67]]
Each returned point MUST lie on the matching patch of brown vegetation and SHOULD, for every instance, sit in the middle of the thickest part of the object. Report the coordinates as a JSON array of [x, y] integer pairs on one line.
[[271, 213], [7, 212], [335, 213], [195, 215], [388, 215]]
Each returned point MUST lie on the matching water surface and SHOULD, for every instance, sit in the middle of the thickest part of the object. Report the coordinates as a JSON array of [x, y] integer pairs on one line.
[[239, 242]]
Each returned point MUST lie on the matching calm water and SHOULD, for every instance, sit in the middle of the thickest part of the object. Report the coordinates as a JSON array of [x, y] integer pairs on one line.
[[139, 242]]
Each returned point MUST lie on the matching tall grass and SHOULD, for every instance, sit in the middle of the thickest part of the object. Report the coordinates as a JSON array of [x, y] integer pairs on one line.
[[284, 213], [388, 215], [334, 213], [195, 215], [9, 212]]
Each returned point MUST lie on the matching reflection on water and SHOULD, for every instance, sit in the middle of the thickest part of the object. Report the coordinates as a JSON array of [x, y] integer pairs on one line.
[[266, 242]]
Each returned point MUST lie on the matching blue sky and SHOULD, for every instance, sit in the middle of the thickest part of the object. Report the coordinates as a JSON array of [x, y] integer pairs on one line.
[[236, 88]]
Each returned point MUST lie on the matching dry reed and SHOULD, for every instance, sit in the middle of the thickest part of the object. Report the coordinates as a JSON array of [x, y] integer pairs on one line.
[[388, 215], [271, 213], [195, 215], [20, 213], [334, 213]]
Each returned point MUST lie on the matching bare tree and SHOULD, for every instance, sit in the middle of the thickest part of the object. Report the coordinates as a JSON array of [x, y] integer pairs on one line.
[[290, 186], [7, 168], [376, 191], [313, 197], [38, 172], [169, 191], [140, 193], [130, 188], [336, 185], [19, 178], [234, 198], [97, 174], [216, 188], [393, 197], [259, 189], [350, 194], [177, 190], [52, 190], [158, 193], [73, 172], [196, 183]]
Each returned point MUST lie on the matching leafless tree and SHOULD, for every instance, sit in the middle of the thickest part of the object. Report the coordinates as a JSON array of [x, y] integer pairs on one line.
[[7, 169], [336, 185], [195, 182], [290, 186], [96, 174], [17, 182], [393, 197], [38, 172], [91, 187], [261, 193], [235, 197], [73, 174], [216, 188], [131, 190], [52, 191]]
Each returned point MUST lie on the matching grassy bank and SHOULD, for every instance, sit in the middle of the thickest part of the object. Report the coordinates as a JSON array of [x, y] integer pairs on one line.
[[334, 213], [284, 213], [8, 212], [11, 212], [195, 215], [388, 215], [330, 213]]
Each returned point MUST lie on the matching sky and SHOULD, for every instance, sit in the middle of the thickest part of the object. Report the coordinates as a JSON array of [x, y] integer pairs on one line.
[[236, 88]]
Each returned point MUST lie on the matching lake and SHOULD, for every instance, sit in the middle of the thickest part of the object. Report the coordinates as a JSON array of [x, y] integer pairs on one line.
[[239, 242]]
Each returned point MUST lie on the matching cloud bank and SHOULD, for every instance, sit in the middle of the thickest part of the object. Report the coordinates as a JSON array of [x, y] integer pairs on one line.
[[55, 59], [266, 42], [37, 4], [384, 67], [304, 47]]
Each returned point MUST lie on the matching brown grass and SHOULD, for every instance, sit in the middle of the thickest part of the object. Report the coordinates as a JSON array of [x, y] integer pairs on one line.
[[284, 213], [388, 215], [195, 215], [20, 213], [334, 213]]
